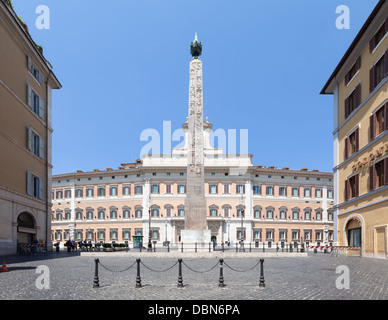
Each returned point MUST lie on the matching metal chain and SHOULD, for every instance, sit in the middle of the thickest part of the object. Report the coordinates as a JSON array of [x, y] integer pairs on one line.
[[200, 271], [159, 270], [241, 270], [117, 270]]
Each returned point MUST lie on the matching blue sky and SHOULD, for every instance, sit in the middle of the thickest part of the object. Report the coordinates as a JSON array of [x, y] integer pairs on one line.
[[124, 67]]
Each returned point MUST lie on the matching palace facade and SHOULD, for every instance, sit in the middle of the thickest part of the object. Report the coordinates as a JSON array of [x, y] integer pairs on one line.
[[268, 205]]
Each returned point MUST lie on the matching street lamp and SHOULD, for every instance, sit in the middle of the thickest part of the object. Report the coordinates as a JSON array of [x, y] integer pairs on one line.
[[149, 249], [242, 224]]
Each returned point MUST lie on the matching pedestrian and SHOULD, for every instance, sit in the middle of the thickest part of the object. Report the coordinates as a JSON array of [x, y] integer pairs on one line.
[[72, 245], [68, 245]]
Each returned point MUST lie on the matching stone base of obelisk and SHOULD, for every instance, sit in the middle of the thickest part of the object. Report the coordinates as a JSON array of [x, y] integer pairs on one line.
[[195, 240]]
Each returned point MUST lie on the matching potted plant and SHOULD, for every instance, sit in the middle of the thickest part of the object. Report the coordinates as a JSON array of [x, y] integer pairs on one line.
[[56, 245]]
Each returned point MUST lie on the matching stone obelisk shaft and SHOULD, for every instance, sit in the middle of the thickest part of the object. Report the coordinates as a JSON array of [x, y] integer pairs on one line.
[[195, 205]]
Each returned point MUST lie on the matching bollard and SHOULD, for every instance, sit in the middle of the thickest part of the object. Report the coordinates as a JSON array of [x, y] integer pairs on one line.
[[263, 247], [180, 279], [250, 247], [261, 282], [236, 247], [221, 279], [195, 247], [209, 246], [168, 246], [181, 246], [138, 279], [96, 281], [222, 245]]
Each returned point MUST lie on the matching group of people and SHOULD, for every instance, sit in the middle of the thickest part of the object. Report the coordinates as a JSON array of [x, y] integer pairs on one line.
[[71, 245]]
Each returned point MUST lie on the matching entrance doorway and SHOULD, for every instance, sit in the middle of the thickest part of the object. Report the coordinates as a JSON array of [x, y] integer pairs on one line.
[[26, 228]]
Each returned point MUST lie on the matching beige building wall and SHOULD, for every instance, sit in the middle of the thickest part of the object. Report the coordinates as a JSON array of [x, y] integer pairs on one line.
[[25, 165], [365, 213]]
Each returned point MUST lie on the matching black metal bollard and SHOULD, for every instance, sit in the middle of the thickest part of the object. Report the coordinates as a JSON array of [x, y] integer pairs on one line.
[[180, 279], [263, 247], [155, 246], [195, 247], [138, 279], [222, 246], [236, 247], [181, 246], [221, 279], [168, 246], [96, 281], [209, 246], [261, 283]]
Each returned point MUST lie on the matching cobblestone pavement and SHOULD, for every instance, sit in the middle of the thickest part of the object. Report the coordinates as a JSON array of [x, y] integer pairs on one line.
[[305, 278]]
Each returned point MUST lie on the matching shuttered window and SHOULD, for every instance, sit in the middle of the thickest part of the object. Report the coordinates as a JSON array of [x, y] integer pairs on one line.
[[378, 36], [353, 71], [35, 143], [352, 187], [35, 102], [352, 143], [378, 72], [35, 186], [353, 101], [378, 174], [378, 122]]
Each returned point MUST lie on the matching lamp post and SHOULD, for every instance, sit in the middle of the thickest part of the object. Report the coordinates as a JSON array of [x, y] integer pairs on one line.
[[242, 224], [149, 249]]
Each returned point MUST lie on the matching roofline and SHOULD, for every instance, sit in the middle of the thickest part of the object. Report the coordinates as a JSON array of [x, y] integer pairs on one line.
[[353, 44]]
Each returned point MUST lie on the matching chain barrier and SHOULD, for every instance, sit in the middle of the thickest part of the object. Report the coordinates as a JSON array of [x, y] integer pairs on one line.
[[117, 270], [241, 270], [200, 271], [96, 283], [159, 270]]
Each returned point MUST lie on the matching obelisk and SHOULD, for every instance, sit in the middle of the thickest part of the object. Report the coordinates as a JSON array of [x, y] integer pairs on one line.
[[195, 203]]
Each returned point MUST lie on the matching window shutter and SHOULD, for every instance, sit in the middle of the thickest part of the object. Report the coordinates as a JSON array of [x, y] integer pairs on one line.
[[357, 138], [386, 63], [29, 138], [358, 95], [372, 127], [386, 171], [357, 185], [41, 78], [347, 190], [41, 189], [41, 148], [30, 184], [346, 147], [41, 108], [347, 109], [385, 114], [371, 79], [347, 78], [29, 63], [372, 44], [358, 63], [371, 178], [29, 94]]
